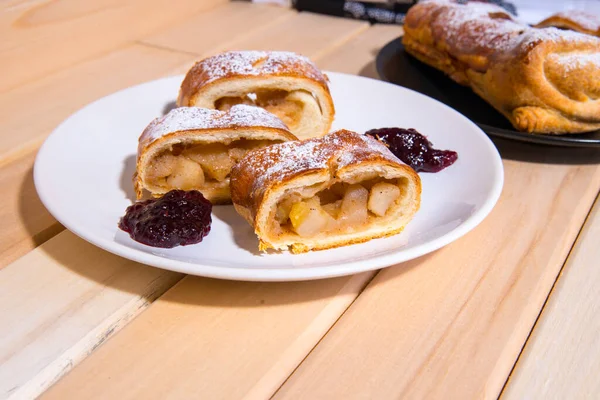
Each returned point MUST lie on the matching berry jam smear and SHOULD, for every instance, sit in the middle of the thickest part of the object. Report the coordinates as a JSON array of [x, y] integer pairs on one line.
[[414, 149], [178, 218]]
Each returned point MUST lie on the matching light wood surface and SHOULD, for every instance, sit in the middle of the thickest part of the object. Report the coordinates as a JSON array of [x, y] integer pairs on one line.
[[562, 358], [56, 310], [41, 37], [447, 325], [58, 95], [221, 331]]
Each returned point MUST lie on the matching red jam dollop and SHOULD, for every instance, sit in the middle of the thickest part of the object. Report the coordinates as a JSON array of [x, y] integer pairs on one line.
[[414, 149], [178, 218]]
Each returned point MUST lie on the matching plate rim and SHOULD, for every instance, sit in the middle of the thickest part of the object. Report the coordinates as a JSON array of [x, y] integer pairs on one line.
[[548, 140], [271, 274]]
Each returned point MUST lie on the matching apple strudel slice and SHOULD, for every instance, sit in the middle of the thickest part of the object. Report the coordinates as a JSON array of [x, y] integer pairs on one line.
[[195, 148], [316, 194], [285, 84]]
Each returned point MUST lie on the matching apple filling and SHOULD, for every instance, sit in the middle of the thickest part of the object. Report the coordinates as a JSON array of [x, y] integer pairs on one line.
[[205, 166], [290, 107], [341, 208]]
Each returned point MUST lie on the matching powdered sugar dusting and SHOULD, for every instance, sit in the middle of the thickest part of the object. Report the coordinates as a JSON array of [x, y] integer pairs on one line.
[[576, 61], [194, 118], [485, 29], [585, 20], [492, 25], [255, 63], [366, 144], [339, 149]]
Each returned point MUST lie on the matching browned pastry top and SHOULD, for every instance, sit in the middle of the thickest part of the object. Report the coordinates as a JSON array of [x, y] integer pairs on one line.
[[266, 167], [194, 118], [250, 63], [480, 33], [576, 20]]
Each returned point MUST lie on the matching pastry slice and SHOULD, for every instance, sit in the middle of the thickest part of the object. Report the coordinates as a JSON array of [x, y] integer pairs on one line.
[[195, 148], [285, 84], [316, 194]]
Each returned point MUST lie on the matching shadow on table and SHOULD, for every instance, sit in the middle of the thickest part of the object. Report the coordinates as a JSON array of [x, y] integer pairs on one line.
[[194, 290], [38, 222]]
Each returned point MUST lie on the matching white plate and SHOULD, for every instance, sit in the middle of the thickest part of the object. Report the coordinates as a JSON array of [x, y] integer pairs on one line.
[[83, 176]]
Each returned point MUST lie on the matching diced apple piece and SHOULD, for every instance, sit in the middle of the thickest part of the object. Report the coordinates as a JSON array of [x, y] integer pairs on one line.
[[283, 210], [308, 218], [383, 195], [353, 210], [282, 104], [186, 175], [214, 159], [237, 153], [332, 209], [162, 166], [225, 103]]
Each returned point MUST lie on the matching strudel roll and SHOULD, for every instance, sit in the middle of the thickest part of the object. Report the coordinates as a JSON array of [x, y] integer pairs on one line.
[[574, 20], [543, 80], [195, 148], [316, 194], [285, 84]]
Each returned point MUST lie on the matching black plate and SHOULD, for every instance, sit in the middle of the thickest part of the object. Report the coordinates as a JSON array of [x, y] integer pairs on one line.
[[396, 66]]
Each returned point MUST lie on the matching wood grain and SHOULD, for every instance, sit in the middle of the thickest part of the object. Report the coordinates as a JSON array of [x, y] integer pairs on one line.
[[52, 99], [24, 222], [358, 56], [41, 37], [56, 309], [451, 324], [304, 33], [205, 334], [562, 357], [235, 21]]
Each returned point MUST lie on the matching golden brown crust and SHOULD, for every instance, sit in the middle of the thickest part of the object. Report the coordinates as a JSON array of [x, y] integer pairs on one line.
[[575, 20], [247, 64], [542, 80], [264, 172]]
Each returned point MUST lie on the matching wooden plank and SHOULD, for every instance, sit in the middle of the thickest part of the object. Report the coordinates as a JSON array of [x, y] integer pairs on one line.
[[24, 222], [42, 37], [200, 321], [30, 112], [451, 324], [222, 339], [359, 57], [562, 357], [228, 23], [305, 33], [56, 309]]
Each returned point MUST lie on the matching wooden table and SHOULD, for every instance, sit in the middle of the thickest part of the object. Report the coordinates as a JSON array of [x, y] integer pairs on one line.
[[511, 309]]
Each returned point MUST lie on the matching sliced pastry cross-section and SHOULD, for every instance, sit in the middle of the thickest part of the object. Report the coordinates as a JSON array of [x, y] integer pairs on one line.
[[195, 148], [286, 84], [321, 193]]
